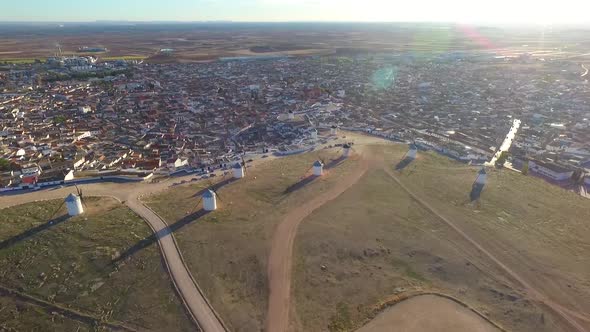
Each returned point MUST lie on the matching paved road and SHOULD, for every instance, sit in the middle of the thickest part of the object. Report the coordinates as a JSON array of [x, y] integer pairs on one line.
[[280, 260], [193, 299]]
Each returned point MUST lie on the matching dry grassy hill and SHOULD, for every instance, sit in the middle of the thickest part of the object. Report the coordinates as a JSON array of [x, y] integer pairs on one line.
[[73, 263], [376, 241]]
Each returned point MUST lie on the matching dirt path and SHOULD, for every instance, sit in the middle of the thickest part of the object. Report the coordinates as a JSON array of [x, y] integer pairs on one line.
[[280, 260], [567, 315], [428, 313]]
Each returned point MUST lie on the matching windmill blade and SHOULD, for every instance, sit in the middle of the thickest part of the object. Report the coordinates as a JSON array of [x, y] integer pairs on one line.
[[216, 194], [57, 210], [81, 195], [196, 206], [83, 200]]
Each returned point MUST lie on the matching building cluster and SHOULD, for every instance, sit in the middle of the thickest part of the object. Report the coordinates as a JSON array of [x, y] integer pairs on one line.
[[170, 117]]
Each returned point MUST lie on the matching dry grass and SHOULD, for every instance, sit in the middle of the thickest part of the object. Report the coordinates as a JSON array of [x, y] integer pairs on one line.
[[70, 263], [374, 241], [227, 250]]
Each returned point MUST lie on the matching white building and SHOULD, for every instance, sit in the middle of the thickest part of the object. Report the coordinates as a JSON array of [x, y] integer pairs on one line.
[[318, 168], [209, 200], [550, 170], [238, 171], [74, 205]]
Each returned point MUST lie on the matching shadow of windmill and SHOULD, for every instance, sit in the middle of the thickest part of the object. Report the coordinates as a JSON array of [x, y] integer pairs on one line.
[[300, 184], [335, 162], [404, 163], [216, 186], [476, 191], [32, 232], [150, 240]]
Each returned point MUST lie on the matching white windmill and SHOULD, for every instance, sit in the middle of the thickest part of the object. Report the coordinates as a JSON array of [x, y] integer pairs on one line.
[[412, 152], [334, 130], [239, 171], [209, 200], [318, 168], [346, 148], [314, 134], [482, 177], [74, 203]]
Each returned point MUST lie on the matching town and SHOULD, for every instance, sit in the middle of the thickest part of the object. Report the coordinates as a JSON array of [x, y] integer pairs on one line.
[[79, 117]]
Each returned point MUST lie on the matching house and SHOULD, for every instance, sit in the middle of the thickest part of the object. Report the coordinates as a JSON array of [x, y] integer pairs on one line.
[[551, 170]]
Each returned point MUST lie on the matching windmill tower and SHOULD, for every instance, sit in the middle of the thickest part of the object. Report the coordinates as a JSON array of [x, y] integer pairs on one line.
[[209, 200], [318, 168], [412, 152], [314, 134], [238, 171], [334, 130], [482, 177], [74, 205], [346, 150]]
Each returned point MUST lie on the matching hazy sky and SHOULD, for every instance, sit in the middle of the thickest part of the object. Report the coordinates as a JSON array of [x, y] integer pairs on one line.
[[488, 11]]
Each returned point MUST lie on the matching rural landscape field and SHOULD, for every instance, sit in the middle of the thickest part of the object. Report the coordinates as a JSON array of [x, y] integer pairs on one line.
[[295, 166], [72, 273], [195, 42]]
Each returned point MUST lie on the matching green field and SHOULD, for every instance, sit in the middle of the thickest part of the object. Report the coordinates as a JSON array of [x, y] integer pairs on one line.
[[73, 263]]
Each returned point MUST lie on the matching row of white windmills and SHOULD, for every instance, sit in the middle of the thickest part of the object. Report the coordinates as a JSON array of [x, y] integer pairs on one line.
[[318, 165], [210, 196]]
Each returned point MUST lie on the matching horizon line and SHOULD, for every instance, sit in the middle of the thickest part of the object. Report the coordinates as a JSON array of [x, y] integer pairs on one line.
[[104, 21]]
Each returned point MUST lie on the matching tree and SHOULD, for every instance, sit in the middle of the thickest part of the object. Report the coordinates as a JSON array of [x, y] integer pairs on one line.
[[502, 159], [59, 119], [525, 168], [4, 164]]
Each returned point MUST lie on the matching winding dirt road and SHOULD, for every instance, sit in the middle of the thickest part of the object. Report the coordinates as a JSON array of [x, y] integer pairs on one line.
[[192, 297], [280, 261], [567, 315]]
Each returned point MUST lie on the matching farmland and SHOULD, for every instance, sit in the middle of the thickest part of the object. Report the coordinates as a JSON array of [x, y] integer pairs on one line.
[[74, 264], [210, 41]]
